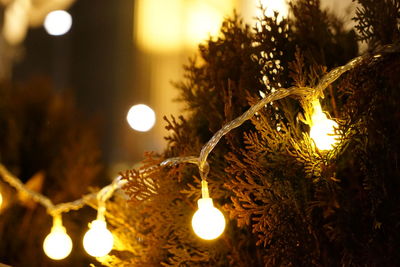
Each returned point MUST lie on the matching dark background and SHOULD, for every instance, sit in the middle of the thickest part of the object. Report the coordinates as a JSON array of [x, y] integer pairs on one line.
[[95, 60]]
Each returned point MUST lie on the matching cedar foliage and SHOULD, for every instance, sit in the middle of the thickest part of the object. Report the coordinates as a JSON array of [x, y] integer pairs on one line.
[[377, 21], [286, 203]]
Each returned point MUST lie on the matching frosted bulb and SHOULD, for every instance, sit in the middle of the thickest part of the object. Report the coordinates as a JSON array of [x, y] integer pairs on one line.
[[322, 129], [141, 118], [208, 222], [57, 245], [58, 22], [98, 240]]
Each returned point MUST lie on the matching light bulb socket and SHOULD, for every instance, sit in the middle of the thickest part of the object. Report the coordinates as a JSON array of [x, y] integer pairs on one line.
[[58, 228], [57, 222], [98, 224], [204, 189], [101, 210], [204, 203], [317, 113], [316, 106]]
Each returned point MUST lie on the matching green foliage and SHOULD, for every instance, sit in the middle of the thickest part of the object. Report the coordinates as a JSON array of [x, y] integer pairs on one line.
[[378, 21], [370, 186], [288, 203]]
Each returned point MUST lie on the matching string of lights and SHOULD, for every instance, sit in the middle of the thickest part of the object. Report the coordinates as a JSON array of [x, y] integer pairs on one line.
[[98, 241]]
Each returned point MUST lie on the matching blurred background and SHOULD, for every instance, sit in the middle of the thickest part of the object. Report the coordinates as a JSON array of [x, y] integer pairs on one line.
[[117, 54]]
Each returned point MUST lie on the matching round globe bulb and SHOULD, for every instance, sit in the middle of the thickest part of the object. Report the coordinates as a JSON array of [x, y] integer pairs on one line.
[[208, 222], [98, 240], [58, 22], [57, 245], [323, 132], [141, 118]]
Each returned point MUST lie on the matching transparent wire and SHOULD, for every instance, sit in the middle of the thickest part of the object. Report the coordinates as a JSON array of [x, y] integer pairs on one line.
[[106, 192]]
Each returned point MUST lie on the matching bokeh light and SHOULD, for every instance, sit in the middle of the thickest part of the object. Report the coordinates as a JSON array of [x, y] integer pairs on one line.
[[58, 22], [203, 21], [141, 118]]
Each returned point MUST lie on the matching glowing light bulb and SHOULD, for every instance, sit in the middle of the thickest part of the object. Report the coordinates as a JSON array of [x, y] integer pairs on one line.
[[141, 118], [322, 129], [57, 245], [58, 22], [208, 222], [98, 240], [1, 199]]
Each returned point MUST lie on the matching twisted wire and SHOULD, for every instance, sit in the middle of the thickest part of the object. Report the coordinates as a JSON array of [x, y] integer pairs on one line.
[[106, 192]]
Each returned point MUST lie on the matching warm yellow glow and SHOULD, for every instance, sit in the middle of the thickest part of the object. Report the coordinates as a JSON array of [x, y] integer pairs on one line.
[[57, 245], [173, 25], [16, 21], [322, 129], [1, 199], [98, 240], [208, 222], [58, 22], [203, 20], [158, 25], [141, 118]]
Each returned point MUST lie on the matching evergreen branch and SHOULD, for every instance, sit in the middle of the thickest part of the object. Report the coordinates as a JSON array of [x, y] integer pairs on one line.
[[201, 161]]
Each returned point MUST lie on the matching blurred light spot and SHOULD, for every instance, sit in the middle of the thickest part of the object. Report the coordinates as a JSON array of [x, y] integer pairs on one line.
[[141, 118], [203, 21], [158, 24], [173, 25], [16, 18], [58, 22]]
